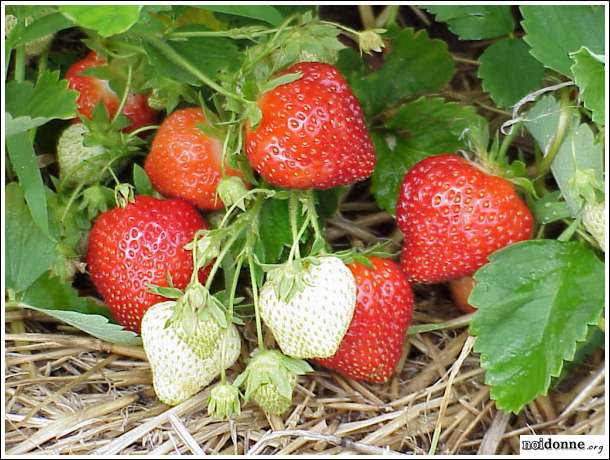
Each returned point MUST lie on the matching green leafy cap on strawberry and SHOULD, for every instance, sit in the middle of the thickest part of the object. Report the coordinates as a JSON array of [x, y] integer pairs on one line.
[[370, 40], [270, 379], [124, 194], [198, 317], [96, 199], [223, 402], [288, 279], [232, 191]]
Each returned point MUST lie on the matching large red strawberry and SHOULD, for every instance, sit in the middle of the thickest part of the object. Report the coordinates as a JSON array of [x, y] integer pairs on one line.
[[186, 163], [92, 90], [453, 216], [373, 343], [312, 133], [140, 244]]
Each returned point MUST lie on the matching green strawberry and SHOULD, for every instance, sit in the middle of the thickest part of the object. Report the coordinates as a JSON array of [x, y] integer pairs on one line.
[[594, 220], [223, 402], [78, 163], [178, 371], [309, 308], [270, 379]]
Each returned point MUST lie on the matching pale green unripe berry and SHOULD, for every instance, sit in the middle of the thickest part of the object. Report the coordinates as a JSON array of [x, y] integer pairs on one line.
[[594, 220], [79, 164]]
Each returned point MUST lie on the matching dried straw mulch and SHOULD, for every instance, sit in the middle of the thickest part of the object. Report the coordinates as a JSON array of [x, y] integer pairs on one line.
[[67, 393]]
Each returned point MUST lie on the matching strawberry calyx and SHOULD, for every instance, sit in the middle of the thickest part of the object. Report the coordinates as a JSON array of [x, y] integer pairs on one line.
[[233, 191], [223, 402], [96, 199], [124, 193], [198, 317], [361, 255], [270, 378], [491, 157]]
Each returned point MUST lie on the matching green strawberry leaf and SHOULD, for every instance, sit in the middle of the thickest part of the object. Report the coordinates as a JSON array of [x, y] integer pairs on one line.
[[279, 378], [51, 294], [550, 208], [555, 31], [535, 301], [590, 74], [579, 156], [60, 300], [141, 181], [44, 25], [181, 60], [475, 22], [424, 127], [29, 252], [274, 229], [500, 62], [281, 80], [406, 71], [169, 292], [106, 20], [25, 163], [95, 325], [296, 366], [33, 104], [263, 13]]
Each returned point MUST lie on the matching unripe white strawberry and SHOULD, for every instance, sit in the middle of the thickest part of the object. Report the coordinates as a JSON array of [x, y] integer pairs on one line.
[[35, 47], [310, 322], [77, 163], [594, 220], [178, 371]]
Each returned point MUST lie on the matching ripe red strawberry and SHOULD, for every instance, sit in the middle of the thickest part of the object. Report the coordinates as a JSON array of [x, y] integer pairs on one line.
[[140, 244], [373, 343], [312, 134], [93, 90], [186, 163], [453, 215]]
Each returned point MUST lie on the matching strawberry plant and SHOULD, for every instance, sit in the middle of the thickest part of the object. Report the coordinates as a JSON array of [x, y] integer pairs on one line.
[[171, 171]]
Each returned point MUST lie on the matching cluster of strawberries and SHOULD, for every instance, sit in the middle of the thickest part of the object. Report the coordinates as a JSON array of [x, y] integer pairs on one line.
[[351, 317]]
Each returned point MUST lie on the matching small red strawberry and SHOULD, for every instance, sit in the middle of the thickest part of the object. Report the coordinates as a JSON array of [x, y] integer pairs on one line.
[[93, 90], [186, 163], [453, 216], [373, 343], [132, 247], [312, 133]]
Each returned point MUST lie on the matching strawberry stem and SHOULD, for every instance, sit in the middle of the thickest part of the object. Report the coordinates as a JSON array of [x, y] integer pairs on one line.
[[179, 60], [238, 266], [295, 244], [259, 327], [246, 33], [221, 256], [135, 132], [313, 213], [293, 206], [252, 192], [565, 116], [125, 96], [506, 143], [20, 63]]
